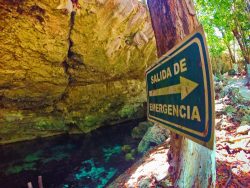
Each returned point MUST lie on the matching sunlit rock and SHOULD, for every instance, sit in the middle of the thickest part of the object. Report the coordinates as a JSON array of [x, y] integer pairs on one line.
[[75, 64]]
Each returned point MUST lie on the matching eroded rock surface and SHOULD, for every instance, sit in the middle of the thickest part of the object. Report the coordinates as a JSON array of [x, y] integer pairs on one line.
[[71, 66]]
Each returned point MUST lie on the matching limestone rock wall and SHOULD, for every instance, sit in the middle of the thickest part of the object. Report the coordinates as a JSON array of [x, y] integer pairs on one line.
[[71, 66]]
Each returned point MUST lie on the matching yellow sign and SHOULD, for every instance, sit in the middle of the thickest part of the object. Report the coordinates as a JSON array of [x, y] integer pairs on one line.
[[185, 87]]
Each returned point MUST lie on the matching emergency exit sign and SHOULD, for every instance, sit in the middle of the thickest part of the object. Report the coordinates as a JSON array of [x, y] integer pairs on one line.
[[180, 90]]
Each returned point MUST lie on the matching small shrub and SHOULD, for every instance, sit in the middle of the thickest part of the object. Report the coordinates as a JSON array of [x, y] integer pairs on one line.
[[128, 111], [129, 157], [126, 148], [91, 120]]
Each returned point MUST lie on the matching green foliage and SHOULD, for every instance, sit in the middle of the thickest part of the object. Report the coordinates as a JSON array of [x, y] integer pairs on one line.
[[49, 123], [129, 157], [212, 21], [141, 129], [128, 111], [220, 18], [129, 152], [91, 120], [246, 118], [126, 148], [230, 110]]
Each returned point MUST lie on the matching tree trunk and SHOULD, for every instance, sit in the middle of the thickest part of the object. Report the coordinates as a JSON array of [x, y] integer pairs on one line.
[[243, 48], [231, 55], [229, 50], [191, 165]]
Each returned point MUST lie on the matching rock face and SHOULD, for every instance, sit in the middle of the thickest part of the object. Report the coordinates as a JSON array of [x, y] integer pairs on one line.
[[154, 136], [67, 66]]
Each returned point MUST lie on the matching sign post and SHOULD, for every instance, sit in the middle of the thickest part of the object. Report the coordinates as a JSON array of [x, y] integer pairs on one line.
[[180, 90]]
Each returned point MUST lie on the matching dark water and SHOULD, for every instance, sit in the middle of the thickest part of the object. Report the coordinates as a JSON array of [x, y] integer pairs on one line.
[[91, 160]]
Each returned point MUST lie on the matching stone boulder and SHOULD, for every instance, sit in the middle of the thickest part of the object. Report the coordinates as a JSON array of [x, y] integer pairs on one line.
[[153, 137]]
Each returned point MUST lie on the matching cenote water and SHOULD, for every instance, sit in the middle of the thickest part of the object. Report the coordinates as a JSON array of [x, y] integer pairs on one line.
[[79, 161]]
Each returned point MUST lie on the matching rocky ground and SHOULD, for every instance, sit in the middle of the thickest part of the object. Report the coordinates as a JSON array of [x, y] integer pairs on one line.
[[232, 107], [233, 132]]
